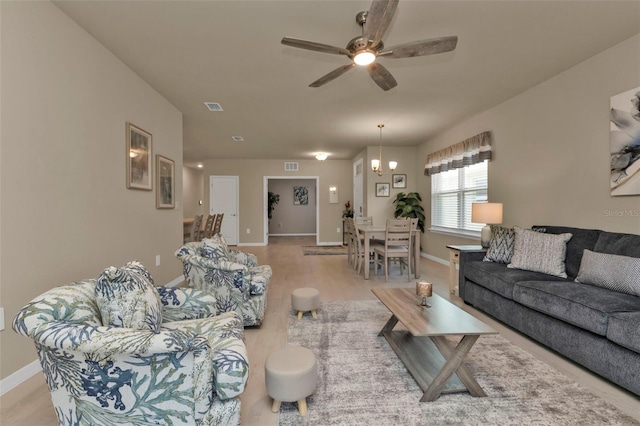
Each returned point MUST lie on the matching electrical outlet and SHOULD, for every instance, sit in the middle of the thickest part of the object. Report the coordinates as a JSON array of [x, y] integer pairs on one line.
[[248, 230], [338, 231], [1, 319], [158, 260]]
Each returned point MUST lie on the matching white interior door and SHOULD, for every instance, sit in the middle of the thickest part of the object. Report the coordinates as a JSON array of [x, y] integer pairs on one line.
[[358, 200], [223, 198]]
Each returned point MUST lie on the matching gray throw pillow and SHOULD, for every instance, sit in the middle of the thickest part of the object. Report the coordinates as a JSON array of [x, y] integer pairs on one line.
[[611, 271], [500, 245], [538, 252]]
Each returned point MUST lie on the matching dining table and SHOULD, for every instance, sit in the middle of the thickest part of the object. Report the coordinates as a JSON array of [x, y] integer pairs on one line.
[[378, 232]]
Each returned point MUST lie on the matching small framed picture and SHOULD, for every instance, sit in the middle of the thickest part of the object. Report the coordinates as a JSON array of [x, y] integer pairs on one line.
[[139, 159], [300, 196], [399, 181], [165, 183], [382, 189]]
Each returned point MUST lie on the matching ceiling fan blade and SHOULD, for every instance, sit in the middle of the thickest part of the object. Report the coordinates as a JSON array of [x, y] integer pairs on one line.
[[421, 48], [311, 45], [378, 19], [382, 76], [332, 75]]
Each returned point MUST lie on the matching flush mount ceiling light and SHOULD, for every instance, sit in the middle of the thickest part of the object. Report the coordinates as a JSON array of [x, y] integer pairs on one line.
[[321, 156], [376, 165], [199, 165]]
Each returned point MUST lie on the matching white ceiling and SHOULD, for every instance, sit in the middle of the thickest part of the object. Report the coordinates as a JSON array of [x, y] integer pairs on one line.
[[230, 52]]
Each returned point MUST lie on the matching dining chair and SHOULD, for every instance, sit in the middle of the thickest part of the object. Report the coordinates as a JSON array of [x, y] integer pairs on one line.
[[351, 246], [218, 224], [396, 246], [195, 229], [208, 227], [361, 256]]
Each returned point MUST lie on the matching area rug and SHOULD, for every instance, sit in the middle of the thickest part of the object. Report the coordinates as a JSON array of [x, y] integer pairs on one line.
[[362, 382], [323, 250]]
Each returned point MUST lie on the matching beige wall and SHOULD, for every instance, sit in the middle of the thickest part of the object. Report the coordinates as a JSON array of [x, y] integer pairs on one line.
[[66, 212], [193, 192], [551, 150], [289, 218], [252, 209], [382, 208]]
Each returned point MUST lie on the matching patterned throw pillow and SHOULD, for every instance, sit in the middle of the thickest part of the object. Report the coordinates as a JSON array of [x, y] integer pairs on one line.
[[611, 271], [538, 252], [215, 248], [127, 298], [501, 244]]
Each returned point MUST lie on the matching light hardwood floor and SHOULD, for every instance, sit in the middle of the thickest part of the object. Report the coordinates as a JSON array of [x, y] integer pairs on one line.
[[29, 404]]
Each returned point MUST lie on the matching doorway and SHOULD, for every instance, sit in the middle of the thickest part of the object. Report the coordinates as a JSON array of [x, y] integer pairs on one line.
[[294, 215], [223, 198]]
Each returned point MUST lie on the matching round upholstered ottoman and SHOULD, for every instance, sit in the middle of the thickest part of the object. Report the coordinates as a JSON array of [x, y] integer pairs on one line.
[[305, 299], [291, 375]]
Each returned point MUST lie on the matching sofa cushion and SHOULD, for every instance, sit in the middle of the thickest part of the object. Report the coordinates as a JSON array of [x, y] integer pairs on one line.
[[215, 248], [612, 271], [615, 243], [500, 245], [500, 279], [126, 297], [584, 306], [540, 252], [260, 276], [582, 239], [624, 330]]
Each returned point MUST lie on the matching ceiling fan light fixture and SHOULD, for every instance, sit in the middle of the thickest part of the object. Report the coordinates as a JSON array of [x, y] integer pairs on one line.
[[365, 57]]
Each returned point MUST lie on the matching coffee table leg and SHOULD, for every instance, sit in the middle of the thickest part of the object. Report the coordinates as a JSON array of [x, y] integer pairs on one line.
[[389, 325], [454, 364]]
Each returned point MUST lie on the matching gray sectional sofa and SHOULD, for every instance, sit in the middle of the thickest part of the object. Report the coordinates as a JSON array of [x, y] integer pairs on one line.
[[594, 326]]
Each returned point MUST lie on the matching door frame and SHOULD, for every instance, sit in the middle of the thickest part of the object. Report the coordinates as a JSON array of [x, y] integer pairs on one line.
[[358, 200], [265, 196], [237, 212]]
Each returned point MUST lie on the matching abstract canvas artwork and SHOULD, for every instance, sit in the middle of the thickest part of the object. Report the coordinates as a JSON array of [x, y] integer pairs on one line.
[[300, 195], [624, 141]]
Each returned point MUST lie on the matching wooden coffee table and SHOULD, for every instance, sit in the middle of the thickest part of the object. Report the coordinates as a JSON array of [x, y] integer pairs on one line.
[[434, 362]]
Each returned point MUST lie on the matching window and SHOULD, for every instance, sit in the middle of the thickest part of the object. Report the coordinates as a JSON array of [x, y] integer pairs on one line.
[[452, 193]]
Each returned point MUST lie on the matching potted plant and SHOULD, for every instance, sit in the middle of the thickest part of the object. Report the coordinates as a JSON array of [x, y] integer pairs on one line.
[[408, 205], [348, 211], [272, 200]]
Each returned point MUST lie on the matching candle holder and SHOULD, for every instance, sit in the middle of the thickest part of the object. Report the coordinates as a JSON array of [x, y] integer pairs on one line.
[[424, 290]]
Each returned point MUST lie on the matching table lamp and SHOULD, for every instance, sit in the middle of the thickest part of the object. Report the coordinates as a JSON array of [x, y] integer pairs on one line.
[[489, 214]]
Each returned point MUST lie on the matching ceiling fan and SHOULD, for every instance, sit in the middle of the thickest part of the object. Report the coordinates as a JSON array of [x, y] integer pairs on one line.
[[365, 49]]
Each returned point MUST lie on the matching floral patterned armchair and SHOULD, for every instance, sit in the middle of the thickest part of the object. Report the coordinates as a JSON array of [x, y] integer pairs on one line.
[[190, 371], [232, 276]]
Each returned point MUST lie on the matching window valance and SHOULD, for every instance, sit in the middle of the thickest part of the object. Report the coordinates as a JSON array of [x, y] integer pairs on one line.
[[470, 151]]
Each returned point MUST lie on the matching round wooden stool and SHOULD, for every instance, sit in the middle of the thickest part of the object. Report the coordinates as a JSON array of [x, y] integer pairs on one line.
[[305, 299], [291, 375]]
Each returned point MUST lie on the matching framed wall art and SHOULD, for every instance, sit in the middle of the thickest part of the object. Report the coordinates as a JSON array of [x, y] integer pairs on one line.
[[399, 181], [382, 189], [624, 141], [300, 196], [139, 158], [165, 183]]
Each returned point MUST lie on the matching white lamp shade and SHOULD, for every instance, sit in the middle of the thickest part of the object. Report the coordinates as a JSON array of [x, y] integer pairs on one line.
[[375, 164], [393, 165], [489, 213]]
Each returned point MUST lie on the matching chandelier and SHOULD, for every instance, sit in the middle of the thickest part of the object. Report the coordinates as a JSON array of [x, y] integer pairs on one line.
[[376, 165]]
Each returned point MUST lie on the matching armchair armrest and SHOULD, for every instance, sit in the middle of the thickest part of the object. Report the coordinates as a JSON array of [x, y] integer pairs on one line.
[[186, 303], [246, 259]]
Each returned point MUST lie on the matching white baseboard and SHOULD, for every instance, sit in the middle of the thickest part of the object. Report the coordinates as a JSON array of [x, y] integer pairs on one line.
[[175, 282], [435, 259], [330, 243], [19, 377], [292, 235], [251, 244]]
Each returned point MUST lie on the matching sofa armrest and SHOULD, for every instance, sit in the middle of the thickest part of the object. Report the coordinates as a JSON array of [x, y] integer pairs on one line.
[[464, 258]]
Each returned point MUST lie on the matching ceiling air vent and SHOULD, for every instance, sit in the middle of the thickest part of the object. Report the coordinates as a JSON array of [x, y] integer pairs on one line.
[[213, 106], [290, 166], [237, 138]]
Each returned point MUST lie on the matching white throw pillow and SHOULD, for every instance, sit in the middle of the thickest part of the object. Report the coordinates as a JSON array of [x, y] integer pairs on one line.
[[611, 271], [538, 252]]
